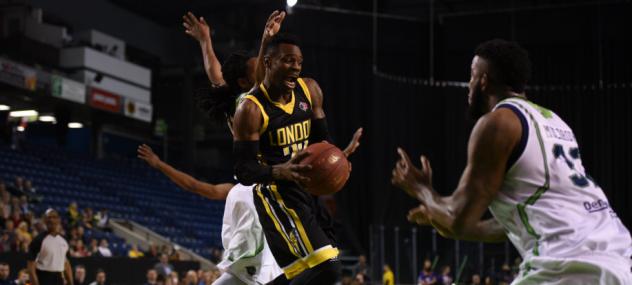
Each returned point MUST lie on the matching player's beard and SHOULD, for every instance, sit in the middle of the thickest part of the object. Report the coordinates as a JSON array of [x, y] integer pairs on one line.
[[479, 103]]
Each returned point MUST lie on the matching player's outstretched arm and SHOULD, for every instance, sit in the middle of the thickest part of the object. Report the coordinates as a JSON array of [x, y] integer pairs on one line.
[[183, 180], [459, 215], [272, 27], [199, 30], [248, 170]]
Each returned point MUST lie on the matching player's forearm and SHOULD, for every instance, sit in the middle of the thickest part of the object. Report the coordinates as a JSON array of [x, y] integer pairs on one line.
[[452, 221], [178, 177], [490, 231], [260, 70], [212, 66]]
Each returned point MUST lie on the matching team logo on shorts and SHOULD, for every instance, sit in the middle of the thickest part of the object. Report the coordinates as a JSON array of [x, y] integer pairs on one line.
[[303, 106]]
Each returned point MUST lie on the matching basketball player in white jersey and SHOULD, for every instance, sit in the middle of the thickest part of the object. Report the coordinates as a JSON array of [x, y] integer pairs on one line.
[[524, 165]]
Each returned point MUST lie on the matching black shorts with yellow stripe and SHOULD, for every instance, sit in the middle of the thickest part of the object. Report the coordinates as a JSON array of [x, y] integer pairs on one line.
[[291, 221]]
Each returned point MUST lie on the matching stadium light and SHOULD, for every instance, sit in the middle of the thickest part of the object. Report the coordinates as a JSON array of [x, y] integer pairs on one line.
[[75, 125], [4, 108], [291, 3], [23, 113], [47, 119]]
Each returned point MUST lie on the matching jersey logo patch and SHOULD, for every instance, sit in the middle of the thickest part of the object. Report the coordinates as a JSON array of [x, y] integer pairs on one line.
[[303, 106]]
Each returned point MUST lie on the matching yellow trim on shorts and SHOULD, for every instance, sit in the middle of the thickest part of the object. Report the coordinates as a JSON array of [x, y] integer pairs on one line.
[[315, 258], [297, 221], [288, 107], [266, 119], [305, 90], [277, 223]]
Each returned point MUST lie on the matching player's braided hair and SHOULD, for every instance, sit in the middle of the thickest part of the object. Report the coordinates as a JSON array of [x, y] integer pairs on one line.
[[218, 102]]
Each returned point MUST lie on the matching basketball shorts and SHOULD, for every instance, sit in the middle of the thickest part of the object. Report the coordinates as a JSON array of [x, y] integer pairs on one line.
[[294, 225]]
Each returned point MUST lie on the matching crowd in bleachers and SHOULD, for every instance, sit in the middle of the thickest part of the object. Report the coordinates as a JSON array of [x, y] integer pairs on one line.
[[88, 235]]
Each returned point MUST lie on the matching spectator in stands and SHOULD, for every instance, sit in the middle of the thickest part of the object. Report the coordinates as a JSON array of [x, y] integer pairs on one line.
[[216, 255], [5, 242], [152, 277], [47, 269], [23, 233], [446, 278], [87, 218], [38, 227], [208, 278], [361, 267], [16, 216], [359, 278], [476, 279], [5, 274], [427, 277], [24, 205], [29, 218], [79, 250], [9, 229], [102, 219], [5, 201], [73, 214], [163, 267], [388, 278], [23, 278], [100, 278], [488, 281], [190, 278], [152, 251], [24, 237], [17, 189], [134, 252], [515, 268], [104, 249], [30, 191], [94, 247], [173, 278], [81, 233], [80, 275], [505, 276]]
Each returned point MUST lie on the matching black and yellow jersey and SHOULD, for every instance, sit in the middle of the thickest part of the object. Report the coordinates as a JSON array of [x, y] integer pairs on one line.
[[286, 127]]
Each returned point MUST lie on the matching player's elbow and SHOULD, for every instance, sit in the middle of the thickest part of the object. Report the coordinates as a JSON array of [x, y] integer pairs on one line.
[[244, 175]]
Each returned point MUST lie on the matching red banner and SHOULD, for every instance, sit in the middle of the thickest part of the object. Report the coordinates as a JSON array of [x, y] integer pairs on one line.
[[104, 100]]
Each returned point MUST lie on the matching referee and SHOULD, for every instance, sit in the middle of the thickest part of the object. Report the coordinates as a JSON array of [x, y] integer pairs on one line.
[[47, 262]]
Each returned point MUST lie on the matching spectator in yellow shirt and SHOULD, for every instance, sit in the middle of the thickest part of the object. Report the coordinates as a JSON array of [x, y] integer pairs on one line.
[[388, 278], [134, 252]]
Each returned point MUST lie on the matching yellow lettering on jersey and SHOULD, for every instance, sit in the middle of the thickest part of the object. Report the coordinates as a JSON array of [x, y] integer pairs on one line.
[[290, 134], [281, 138]]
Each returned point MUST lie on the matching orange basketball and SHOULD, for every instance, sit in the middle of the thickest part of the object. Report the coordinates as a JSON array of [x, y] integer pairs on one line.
[[330, 169]]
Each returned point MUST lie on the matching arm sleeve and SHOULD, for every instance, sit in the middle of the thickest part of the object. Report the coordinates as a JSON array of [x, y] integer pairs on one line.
[[247, 168], [320, 131]]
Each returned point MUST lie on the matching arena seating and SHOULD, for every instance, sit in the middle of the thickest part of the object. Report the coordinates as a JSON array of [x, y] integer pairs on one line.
[[128, 188]]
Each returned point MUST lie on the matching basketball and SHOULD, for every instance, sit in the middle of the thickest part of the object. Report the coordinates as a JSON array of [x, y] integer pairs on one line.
[[330, 169]]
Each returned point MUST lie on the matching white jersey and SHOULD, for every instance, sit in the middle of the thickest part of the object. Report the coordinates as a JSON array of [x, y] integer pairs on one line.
[[553, 211], [246, 252]]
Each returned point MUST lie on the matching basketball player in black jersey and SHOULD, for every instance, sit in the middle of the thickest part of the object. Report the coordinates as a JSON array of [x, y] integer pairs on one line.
[[273, 123]]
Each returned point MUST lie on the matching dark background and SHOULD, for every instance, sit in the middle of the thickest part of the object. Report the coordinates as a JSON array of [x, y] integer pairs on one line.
[[389, 77]]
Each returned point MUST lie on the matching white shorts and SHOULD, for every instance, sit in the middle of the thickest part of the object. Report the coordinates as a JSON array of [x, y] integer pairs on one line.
[[247, 256], [597, 269]]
